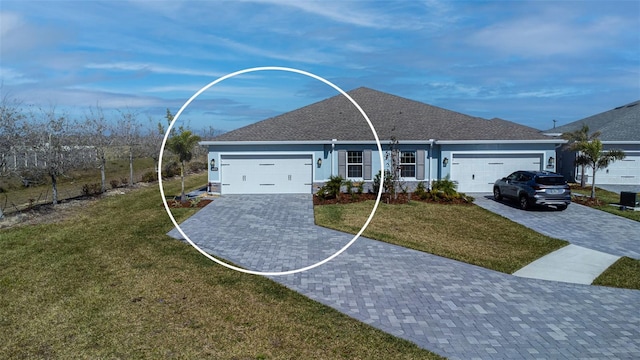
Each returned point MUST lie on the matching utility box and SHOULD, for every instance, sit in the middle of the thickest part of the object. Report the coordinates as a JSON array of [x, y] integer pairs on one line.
[[629, 199]]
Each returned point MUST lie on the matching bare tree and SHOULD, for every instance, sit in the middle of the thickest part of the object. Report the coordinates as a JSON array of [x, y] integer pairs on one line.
[[96, 135], [50, 135], [11, 117], [128, 132]]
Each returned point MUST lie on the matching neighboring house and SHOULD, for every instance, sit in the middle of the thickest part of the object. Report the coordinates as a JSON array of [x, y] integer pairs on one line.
[[620, 129], [298, 151]]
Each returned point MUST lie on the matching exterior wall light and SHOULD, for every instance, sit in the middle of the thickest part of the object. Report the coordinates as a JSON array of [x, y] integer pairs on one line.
[[213, 164], [445, 161], [319, 162], [551, 161]]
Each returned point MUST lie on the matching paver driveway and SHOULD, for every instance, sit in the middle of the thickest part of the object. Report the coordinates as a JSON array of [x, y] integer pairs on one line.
[[455, 309], [578, 224]]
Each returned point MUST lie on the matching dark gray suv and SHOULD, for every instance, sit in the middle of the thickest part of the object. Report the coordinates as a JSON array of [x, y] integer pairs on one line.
[[531, 188]]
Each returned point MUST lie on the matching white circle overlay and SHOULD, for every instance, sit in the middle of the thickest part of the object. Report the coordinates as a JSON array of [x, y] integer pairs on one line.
[[256, 69]]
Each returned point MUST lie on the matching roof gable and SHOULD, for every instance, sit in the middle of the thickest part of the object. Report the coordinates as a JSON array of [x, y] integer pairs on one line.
[[391, 116]]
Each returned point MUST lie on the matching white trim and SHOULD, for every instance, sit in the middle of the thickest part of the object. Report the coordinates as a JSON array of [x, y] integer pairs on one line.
[[308, 142], [454, 142], [347, 163], [620, 142]]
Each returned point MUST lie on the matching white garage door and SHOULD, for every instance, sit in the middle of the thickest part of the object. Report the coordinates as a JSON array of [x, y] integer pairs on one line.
[[266, 174], [621, 172], [478, 172]]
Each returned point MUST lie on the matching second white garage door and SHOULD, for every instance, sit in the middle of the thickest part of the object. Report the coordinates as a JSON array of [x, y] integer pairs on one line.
[[478, 172], [623, 172], [266, 174]]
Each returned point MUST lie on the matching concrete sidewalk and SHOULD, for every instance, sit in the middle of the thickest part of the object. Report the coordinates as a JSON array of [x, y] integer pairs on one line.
[[572, 264]]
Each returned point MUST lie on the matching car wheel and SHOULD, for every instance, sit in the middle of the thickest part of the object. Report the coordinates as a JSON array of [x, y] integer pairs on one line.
[[496, 194], [561, 207], [524, 202]]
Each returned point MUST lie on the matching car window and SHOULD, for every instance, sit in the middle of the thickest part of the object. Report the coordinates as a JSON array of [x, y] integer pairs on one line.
[[551, 180], [513, 177], [525, 177]]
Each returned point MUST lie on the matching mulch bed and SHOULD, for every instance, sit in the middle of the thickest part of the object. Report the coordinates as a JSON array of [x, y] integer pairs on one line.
[[188, 204], [402, 198]]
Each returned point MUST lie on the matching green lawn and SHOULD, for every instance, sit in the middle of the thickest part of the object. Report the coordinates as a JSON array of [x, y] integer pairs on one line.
[[608, 197], [461, 232], [624, 273], [108, 283]]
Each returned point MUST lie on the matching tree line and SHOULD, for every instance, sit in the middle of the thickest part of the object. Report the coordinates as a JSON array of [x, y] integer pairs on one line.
[[41, 145]]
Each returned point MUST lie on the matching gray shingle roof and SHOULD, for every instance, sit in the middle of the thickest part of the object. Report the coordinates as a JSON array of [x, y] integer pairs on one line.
[[619, 124], [337, 118]]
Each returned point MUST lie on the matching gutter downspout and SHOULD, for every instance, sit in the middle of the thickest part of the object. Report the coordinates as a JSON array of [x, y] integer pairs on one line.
[[333, 146]]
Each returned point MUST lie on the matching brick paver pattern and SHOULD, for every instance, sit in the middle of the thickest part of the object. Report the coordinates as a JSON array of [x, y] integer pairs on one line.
[[458, 310]]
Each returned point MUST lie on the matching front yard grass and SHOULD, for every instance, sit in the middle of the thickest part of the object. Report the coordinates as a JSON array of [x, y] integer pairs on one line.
[[608, 197], [461, 232], [624, 273], [108, 283]]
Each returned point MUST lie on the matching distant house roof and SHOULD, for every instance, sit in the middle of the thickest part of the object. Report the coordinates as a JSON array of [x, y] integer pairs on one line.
[[619, 124], [391, 116]]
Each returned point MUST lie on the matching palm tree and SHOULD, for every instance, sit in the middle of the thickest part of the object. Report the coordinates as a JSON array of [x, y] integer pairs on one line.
[[576, 138], [592, 154], [182, 145]]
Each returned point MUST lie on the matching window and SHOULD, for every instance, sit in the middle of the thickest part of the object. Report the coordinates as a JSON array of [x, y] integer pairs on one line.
[[407, 164], [354, 164]]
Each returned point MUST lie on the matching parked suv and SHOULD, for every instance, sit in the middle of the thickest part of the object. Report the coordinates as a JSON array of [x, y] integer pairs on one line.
[[531, 188]]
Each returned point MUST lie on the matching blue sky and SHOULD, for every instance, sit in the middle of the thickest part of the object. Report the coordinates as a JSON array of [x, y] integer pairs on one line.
[[528, 62]]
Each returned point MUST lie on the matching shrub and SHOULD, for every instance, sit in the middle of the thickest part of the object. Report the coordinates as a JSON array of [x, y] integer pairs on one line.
[[170, 170], [348, 184], [194, 202], [421, 191], [124, 181], [114, 183], [196, 166], [331, 189], [91, 189], [149, 176], [445, 186]]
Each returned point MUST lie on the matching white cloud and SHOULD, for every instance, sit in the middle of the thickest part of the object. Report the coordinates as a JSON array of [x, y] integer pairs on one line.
[[541, 36], [9, 76], [134, 66]]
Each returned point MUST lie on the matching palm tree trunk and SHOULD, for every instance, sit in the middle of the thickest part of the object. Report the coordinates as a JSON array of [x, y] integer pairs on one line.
[[182, 196], [593, 183], [582, 179]]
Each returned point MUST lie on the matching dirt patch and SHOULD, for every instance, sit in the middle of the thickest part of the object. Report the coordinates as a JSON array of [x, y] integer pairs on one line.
[[65, 209]]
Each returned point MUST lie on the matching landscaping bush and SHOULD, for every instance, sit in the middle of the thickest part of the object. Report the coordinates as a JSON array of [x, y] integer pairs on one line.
[[196, 166], [149, 176], [445, 186], [387, 186], [91, 189], [421, 191], [331, 189], [170, 170], [115, 183]]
